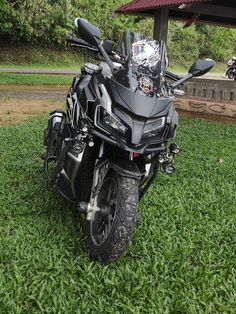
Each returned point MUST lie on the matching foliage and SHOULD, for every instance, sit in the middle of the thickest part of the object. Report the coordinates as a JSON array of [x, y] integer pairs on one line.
[[46, 22], [101, 14], [182, 44], [35, 21], [200, 41], [13, 26], [37, 56], [216, 42], [182, 255]]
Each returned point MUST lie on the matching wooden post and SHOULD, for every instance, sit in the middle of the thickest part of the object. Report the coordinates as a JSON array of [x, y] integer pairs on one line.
[[161, 24]]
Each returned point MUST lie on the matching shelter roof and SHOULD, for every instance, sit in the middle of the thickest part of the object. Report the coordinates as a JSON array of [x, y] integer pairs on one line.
[[140, 5], [206, 11]]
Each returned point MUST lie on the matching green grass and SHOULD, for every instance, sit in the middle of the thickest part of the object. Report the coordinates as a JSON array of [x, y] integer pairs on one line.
[[33, 66], [45, 79], [182, 256], [73, 58], [46, 66], [218, 68], [38, 57], [34, 79]]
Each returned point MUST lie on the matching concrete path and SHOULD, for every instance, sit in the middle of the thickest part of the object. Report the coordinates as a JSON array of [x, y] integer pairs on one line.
[[209, 75], [39, 71]]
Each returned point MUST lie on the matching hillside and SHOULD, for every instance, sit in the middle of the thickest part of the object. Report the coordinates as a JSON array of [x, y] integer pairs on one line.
[[44, 23]]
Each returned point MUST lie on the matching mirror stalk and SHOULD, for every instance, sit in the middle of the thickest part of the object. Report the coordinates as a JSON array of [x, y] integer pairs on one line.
[[181, 81], [106, 57], [113, 68]]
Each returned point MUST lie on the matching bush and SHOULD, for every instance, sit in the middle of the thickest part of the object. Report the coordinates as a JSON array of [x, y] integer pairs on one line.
[[216, 42], [46, 22], [38, 22], [182, 44]]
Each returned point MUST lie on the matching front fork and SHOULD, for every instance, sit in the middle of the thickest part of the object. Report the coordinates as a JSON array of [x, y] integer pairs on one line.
[[127, 169]]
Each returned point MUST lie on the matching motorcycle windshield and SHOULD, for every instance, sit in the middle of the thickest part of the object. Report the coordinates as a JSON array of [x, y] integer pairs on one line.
[[145, 65]]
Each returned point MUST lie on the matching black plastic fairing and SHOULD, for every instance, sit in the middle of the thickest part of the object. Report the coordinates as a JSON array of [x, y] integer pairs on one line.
[[137, 103], [139, 125], [137, 112], [82, 86]]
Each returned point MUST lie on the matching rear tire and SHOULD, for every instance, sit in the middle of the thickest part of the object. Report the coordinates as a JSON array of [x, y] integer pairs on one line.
[[110, 232], [230, 74]]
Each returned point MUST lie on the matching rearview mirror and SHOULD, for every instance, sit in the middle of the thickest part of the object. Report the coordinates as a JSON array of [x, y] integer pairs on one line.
[[88, 32], [201, 67]]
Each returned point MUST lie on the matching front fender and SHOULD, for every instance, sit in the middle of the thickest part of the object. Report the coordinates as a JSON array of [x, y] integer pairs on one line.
[[125, 168]]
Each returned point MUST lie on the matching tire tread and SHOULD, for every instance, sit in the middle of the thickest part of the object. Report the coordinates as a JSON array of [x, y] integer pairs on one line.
[[124, 224]]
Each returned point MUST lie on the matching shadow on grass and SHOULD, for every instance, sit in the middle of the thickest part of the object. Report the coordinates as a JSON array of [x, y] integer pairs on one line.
[[60, 218]]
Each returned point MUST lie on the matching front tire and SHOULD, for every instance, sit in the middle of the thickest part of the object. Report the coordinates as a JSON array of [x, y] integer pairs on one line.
[[110, 232]]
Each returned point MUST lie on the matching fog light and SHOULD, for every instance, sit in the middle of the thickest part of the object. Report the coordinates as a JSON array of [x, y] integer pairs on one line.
[[91, 143], [169, 168], [174, 149]]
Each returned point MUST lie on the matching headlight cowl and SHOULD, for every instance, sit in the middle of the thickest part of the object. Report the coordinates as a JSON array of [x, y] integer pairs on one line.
[[108, 121], [154, 127]]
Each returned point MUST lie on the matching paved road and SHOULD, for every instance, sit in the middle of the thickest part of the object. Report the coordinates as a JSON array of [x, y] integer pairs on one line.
[[39, 71], [59, 92], [209, 75]]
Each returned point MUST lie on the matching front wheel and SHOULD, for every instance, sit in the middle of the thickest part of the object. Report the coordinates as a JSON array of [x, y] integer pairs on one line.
[[110, 232]]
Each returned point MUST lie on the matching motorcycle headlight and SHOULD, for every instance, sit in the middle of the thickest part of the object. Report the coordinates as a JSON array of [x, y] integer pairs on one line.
[[154, 127], [107, 120]]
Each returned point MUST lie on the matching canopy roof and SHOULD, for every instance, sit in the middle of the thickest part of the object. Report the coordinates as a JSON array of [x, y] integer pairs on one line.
[[207, 11]]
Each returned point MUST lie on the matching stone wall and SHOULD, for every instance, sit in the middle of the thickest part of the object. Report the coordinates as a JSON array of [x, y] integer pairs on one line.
[[209, 96]]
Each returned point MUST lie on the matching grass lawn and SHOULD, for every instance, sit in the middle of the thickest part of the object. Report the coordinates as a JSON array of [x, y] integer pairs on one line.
[[46, 79], [218, 68], [47, 66], [182, 256], [34, 79], [38, 57]]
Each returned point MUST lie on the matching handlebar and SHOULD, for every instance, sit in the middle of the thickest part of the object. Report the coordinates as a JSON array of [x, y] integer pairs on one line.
[[77, 42], [106, 45], [172, 76], [80, 43]]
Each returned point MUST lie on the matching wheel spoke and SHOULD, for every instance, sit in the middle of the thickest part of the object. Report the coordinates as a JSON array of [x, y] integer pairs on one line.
[[100, 228], [106, 232], [109, 193], [111, 230], [104, 219]]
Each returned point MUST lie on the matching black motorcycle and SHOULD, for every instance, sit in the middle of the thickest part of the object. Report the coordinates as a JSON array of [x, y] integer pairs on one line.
[[105, 151], [231, 72]]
